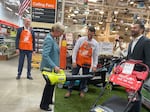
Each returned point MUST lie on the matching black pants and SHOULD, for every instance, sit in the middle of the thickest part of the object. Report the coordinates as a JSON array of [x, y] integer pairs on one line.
[[47, 96], [136, 106]]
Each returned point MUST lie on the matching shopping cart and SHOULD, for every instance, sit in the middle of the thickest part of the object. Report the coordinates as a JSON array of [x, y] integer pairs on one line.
[[129, 74]]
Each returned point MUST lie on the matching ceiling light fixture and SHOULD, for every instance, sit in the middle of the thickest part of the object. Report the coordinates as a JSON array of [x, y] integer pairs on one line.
[[131, 2], [115, 19], [16, 14], [76, 11], [100, 22], [27, 11], [86, 12], [116, 12], [9, 9], [92, 0], [101, 12]]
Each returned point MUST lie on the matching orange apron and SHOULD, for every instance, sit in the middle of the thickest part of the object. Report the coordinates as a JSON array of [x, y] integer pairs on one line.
[[84, 55], [25, 42]]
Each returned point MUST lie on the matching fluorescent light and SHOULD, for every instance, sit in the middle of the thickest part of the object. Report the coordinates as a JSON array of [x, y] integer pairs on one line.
[[9, 9], [100, 22], [27, 11], [92, 0], [116, 12], [132, 2], [76, 11], [86, 12], [115, 19], [101, 12], [16, 14]]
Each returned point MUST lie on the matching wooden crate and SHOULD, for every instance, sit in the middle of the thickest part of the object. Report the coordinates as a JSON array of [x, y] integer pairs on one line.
[[36, 60]]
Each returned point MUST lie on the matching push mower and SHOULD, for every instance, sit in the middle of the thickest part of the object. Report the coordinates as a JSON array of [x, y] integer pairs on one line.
[[129, 74]]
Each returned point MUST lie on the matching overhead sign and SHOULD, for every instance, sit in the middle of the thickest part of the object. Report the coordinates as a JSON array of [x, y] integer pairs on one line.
[[43, 11], [48, 4]]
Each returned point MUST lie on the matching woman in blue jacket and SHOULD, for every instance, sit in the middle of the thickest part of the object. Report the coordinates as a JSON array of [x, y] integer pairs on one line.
[[50, 59]]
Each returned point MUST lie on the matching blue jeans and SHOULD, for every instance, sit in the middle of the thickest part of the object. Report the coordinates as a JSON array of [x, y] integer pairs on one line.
[[22, 55], [83, 82]]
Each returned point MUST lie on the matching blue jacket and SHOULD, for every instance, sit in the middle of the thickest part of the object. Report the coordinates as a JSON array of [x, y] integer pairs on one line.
[[50, 54], [18, 37]]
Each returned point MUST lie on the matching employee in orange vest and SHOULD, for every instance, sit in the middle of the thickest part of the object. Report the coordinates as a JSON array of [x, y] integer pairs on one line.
[[85, 56], [25, 46], [63, 52]]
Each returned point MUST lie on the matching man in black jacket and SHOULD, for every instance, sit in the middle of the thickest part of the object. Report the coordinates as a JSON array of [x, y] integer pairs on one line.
[[138, 50]]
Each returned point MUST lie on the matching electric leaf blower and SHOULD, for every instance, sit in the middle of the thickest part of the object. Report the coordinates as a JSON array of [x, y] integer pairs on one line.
[[60, 77]]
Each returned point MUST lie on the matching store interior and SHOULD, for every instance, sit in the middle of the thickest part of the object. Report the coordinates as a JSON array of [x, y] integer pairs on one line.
[[111, 19]]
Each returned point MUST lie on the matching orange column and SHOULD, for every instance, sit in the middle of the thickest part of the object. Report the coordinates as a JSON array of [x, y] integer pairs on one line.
[[63, 53]]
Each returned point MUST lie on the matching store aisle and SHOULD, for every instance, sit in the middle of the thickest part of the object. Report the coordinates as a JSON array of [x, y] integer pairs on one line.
[[19, 95]]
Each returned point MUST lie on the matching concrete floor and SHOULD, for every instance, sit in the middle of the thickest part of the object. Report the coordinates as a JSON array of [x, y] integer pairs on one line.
[[19, 95]]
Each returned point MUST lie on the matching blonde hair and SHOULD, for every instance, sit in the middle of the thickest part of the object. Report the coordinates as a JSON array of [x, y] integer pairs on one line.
[[58, 27]]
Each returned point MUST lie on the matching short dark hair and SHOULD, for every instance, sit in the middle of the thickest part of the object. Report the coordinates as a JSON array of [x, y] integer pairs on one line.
[[141, 24], [91, 28], [79, 35]]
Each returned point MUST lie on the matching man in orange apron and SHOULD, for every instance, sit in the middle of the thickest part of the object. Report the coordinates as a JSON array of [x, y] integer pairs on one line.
[[85, 56], [25, 46]]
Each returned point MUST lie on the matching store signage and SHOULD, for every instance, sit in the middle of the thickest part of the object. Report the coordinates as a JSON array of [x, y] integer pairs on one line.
[[106, 48], [43, 11], [49, 4], [69, 38]]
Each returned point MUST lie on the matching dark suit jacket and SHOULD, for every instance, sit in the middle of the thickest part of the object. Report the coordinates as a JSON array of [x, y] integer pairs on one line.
[[18, 37], [141, 51]]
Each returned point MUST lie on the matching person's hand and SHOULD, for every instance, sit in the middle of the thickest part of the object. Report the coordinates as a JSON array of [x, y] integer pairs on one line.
[[34, 52], [57, 69], [94, 69], [74, 65], [17, 51]]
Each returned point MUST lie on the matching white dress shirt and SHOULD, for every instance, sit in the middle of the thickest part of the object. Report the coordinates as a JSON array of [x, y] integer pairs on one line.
[[135, 42]]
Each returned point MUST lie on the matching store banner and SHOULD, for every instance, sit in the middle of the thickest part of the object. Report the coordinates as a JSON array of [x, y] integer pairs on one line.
[[48, 4]]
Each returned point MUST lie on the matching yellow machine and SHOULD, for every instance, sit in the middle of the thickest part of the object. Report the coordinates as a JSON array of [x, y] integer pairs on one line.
[[53, 77]]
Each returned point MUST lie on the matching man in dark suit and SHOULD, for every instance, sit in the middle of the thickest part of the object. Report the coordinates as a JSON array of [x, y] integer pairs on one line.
[[138, 50]]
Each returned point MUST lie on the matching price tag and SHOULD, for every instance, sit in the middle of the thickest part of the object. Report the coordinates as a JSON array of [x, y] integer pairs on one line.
[[128, 68]]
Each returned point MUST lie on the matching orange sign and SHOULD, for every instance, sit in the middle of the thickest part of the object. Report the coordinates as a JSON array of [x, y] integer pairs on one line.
[[48, 4]]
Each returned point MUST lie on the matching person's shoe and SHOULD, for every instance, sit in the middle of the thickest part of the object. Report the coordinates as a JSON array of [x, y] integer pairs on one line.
[[18, 77], [67, 95], [29, 77], [82, 94], [46, 109]]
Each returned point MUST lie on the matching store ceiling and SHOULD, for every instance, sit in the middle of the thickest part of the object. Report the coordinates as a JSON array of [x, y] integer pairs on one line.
[[100, 12], [112, 15], [117, 14], [103, 11]]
